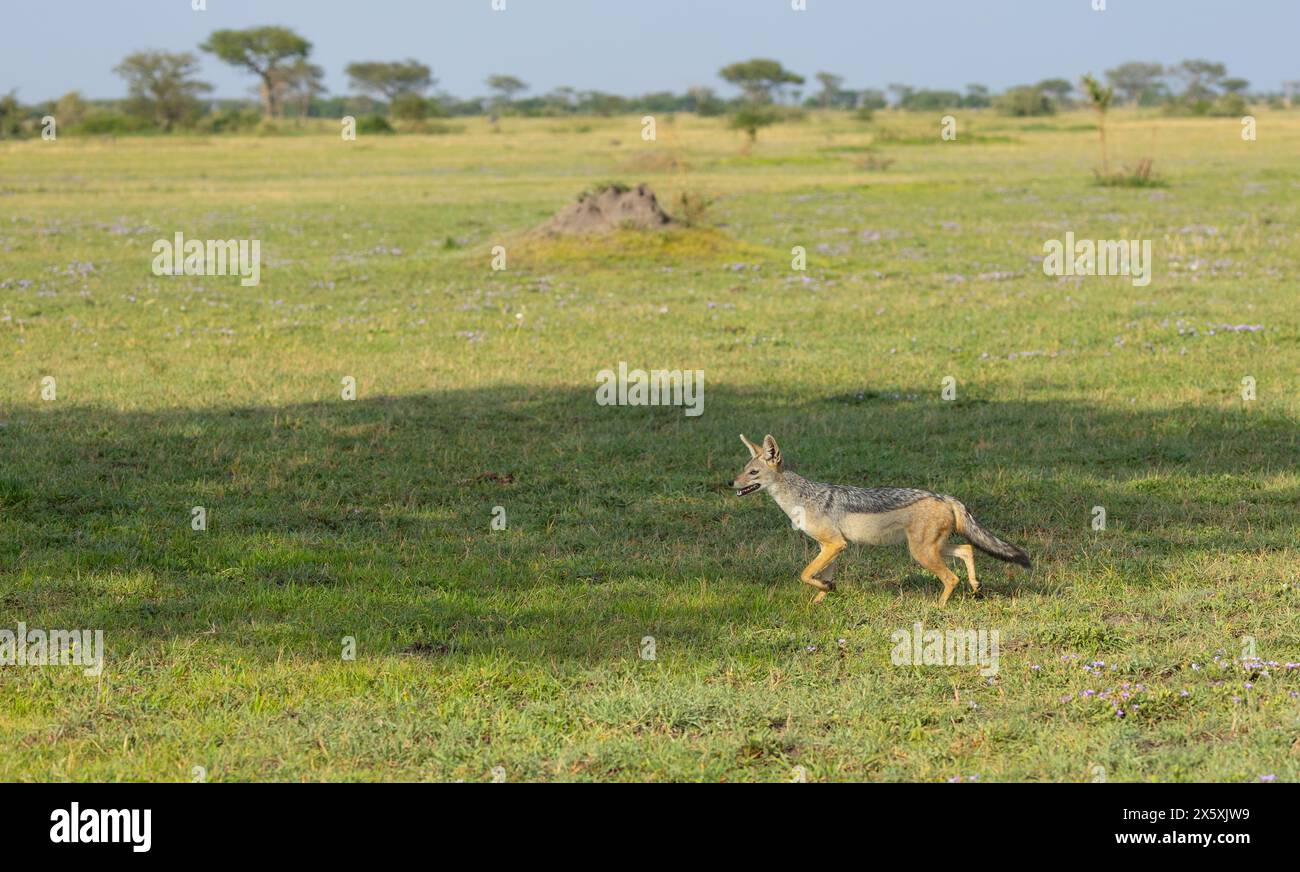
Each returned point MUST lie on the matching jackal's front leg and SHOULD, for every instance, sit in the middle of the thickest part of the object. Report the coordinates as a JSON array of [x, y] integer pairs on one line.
[[824, 558]]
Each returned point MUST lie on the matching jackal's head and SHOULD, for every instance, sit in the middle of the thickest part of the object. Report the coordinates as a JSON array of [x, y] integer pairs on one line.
[[763, 469]]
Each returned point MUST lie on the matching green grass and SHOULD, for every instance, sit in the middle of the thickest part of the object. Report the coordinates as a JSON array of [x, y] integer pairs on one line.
[[519, 648]]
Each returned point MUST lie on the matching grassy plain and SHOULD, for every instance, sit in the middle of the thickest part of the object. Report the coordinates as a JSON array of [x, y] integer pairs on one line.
[[519, 648]]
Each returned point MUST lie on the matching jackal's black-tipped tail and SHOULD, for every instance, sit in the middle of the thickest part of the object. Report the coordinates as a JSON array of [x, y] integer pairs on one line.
[[986, 541]]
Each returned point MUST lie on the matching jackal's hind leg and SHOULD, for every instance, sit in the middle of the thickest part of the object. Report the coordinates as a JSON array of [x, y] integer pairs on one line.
[[967, 555], [929, 554]]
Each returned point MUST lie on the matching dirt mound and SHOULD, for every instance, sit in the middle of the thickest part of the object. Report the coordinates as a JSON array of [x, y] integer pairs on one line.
[[613, 207]]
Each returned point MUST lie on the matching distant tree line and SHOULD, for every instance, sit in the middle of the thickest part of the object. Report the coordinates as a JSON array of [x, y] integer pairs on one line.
[[165, 94]]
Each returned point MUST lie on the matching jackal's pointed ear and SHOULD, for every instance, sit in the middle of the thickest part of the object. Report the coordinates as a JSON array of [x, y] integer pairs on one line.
[[771, 451], [753, 449]]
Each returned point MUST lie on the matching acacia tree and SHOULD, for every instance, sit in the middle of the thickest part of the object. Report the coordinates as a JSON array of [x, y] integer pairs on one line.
[[506, 88], [831, 88], [162, 86], [387, 79], [263, 51], [902, 92], [1058, 89], [300, 82], [1136, 81], [1100, 97], [1200, 77], [759, 78]]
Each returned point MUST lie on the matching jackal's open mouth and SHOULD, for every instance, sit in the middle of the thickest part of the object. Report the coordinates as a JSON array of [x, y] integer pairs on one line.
[[748, 489]]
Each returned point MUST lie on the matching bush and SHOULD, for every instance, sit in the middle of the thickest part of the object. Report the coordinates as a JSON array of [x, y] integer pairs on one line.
[[930, 101], [409, 107], [374, 124], [709, 106], [1187, 106], [110, 123], [1024, 102], [70, 109], [1135, 177], [872, 99], [1208, 103], [230, 119], [750, 118], [11, 117], [1230, 106], [692, 208]]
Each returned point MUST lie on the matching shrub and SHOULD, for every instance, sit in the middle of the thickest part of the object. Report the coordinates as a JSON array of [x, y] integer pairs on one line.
[[930, 101], [751, 118], [1099, 97], [409, 107], [1024, 101], [230, 119], [1188, 106], [374, 124], [11, 117], [1230, 105], [692, 208], [71, 108], [872, 99], [271, 127], [1135, 177], [709, 106], [110, 123]]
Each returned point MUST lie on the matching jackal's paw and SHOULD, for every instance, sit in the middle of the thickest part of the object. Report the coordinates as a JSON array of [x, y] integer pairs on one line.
[[821, 595]]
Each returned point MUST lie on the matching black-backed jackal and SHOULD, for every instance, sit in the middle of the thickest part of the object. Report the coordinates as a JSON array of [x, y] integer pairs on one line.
[[836, 515]]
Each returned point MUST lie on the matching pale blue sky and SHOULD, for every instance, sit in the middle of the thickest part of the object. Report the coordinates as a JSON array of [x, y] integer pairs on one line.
[[49, 47]]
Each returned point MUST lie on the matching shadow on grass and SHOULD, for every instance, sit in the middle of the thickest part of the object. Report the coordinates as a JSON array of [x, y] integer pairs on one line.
[[373, 518]]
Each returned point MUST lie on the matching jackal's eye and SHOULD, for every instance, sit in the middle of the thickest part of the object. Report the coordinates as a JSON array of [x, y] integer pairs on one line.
[[753, 472]]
